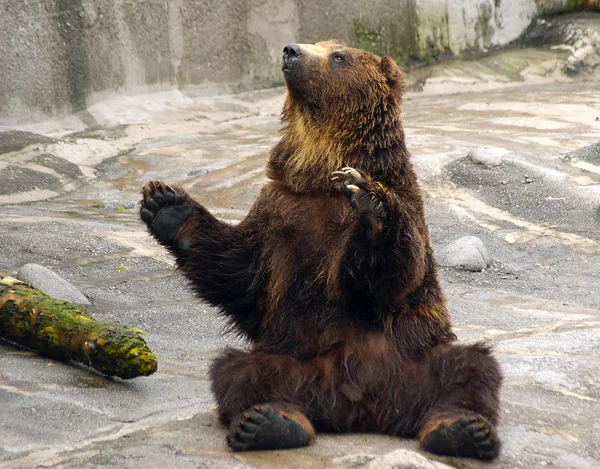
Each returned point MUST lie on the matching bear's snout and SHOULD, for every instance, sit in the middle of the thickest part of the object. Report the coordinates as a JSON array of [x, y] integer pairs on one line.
[[291, 53]]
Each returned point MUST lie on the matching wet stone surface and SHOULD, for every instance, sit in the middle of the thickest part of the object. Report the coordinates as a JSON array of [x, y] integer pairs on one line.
[[15, 179], [60, 165], [534, 193], [536, 302], [14, 140]]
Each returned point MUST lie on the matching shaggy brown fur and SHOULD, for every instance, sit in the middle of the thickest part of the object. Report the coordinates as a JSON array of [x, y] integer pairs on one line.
[[334, 283]]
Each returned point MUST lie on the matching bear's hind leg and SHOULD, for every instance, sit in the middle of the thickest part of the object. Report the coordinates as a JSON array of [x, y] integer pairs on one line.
[[270, 426], [263, 398], [461, 421]]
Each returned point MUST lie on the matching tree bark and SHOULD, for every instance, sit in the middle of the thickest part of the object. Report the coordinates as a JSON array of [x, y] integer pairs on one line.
[[60, 330]]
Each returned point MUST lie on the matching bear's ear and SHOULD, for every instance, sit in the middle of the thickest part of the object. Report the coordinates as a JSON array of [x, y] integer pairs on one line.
[[390, 69]]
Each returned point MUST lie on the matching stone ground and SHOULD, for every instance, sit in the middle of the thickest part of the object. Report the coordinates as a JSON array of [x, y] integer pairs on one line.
[[68, 201]]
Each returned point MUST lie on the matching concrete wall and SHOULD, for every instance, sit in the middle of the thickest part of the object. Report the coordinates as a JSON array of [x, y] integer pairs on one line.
[[59, 56]]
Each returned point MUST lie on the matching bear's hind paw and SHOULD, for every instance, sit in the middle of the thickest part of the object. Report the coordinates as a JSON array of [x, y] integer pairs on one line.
[[264, 427], [468, 437]]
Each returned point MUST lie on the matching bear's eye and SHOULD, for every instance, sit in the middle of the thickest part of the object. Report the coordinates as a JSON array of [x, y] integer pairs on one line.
[[337, 60]]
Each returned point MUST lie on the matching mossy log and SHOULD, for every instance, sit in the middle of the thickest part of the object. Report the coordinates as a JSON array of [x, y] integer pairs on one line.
[[60, 330]]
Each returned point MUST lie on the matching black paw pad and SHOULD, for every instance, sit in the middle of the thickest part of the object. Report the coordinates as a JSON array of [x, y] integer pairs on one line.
[[469, 437], [164, 210], [263, 428]]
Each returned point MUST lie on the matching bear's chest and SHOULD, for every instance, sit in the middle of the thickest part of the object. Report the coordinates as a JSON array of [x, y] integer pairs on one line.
[[310, 227]]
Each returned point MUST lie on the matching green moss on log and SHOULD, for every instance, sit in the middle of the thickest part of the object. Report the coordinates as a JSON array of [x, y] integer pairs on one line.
[[63, 331]]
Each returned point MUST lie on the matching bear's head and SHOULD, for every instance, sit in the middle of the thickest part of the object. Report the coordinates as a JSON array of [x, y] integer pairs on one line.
[[338, 84], [342, 108], [317, 73]]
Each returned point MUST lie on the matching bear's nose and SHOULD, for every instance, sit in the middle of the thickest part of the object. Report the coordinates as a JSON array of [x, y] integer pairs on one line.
[[292, 51]]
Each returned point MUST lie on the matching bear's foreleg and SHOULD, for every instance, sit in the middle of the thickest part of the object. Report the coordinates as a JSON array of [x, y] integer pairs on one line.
[[391, 242], [219, 259], [463, 417], [359, 192], [262, 398]]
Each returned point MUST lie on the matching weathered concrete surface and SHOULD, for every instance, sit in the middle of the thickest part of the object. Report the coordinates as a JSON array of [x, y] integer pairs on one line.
[[61, 56], [537, 213]]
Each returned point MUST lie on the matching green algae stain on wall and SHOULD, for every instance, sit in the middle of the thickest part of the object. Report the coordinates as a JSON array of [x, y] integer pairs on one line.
[[369, 39], [376, 41]]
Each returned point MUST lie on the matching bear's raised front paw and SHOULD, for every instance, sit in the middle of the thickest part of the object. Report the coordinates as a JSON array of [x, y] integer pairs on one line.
[[164, 210], [467, 437], [263, 427]]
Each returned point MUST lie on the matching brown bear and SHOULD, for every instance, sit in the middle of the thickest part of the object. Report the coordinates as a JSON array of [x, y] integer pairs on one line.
[[331, 277]]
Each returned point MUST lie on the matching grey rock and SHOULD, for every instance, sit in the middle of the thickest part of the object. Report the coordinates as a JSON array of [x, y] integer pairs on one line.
[[484, 157], [468, 253], [399, 459], [199, 172], [51, 283]]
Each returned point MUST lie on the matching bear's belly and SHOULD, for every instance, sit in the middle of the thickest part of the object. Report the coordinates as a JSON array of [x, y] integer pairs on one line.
[[307, 239]]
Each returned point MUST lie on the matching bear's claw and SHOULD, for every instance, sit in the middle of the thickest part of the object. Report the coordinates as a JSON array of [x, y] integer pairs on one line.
[[262, 427], [471, 437], [359, 192], [349, 176], [164, 210], [350, 182]]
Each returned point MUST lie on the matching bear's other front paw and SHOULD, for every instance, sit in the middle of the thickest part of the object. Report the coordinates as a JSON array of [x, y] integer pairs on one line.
[[350, 182], [359, 192], [164, 210]]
